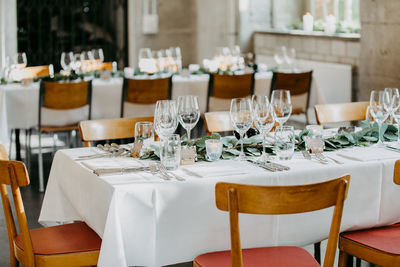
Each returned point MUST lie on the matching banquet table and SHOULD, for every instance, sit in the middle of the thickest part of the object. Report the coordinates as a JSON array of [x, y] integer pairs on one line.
[[19, 103], [144, 220]]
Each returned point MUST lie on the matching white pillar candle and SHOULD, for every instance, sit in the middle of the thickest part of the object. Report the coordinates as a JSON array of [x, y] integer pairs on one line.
[[308, 22], [330, 26]]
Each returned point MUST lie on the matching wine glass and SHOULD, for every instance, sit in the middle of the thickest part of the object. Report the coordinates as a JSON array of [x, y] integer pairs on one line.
[[98, 57], [282, 105], [279, 55], [392, 92], [263, 119], [241, 114], [290, 57], [20, 61], [188, 113], [165, 118], [147, 63], [396, 115], [379, 109], [67, 59], [86, 59], [144, 132]]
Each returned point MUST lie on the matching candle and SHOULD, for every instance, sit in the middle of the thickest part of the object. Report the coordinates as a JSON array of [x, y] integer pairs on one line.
[[214, 149], [330, 26], [308, 22]]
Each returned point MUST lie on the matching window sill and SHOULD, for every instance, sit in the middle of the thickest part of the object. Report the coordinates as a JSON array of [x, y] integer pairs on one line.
[[345, 36]]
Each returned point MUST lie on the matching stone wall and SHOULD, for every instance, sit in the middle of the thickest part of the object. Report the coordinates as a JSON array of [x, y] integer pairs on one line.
[[345, 50], [380, 46]]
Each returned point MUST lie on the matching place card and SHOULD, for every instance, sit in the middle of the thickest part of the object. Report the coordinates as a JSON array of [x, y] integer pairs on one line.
[[137, 147], [315, 145], [188, 155]]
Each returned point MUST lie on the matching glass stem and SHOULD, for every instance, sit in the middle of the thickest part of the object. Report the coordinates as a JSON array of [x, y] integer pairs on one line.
[[398, 132], [188, 135], [379, 133], [241, 145], [264, 144]]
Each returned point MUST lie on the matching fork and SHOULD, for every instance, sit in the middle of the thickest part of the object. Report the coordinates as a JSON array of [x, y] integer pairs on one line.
[[177, 177]]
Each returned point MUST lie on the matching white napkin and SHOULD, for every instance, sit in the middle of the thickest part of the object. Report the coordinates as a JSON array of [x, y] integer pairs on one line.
[[111, 163], [368, 153], [220, 168]]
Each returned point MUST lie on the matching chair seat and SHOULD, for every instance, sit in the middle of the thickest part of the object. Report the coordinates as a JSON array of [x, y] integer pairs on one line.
[[386, 239], [62, 239], [259, 257]]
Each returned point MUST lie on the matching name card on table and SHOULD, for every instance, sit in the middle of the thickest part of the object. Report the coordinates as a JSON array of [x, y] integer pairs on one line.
[[188, 155]]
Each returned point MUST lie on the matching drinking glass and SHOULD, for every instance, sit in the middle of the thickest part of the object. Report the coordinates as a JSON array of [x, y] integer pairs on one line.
[[263, 119], [290, 57], [279, 55], [86, 58], [20, 61], [77, 63], [98, 55], [213, 149], [396, 115], [284, 142], [392, 93], [165, 118], [379, 109], [282, 105], [241, 114], [147, 63], [188, 112], [67, 59], [144, 132], [170, 152]]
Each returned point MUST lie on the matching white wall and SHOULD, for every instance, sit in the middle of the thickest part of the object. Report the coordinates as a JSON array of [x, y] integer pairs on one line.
[[8, 29]]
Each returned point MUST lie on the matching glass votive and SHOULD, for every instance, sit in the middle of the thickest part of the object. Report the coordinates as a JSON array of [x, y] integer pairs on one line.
[[284, 142], [314, 142], [315, 130], [214, 149], [170, 152]]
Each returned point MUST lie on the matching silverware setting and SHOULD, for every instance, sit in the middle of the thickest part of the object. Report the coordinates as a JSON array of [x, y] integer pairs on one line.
[[321, 158], [270, 166], [113, 150]]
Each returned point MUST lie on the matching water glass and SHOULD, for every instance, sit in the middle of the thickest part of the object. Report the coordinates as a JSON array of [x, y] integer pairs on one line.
[[165, 118], [379, 108], [214, 149], [170, 152], [144, 132], [282, 105], [284, 142], [188, 112], [241, 114]]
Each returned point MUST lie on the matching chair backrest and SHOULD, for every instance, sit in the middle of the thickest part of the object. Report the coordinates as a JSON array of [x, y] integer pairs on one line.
[[101, 130], [252, 199], [226, 86], [31, 72], [299, 85], [14, 173], [145, 91], [332, 113], [216, 122], [105, 66], [65, 95]]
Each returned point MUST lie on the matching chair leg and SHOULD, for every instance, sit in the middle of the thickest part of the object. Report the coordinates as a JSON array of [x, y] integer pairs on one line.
[[342, 259], [40, 163], [17, 145], [11, 141], [358, 262], [27, 149]]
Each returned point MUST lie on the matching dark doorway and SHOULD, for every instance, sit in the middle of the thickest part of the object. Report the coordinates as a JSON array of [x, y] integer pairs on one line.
[[46, 28]]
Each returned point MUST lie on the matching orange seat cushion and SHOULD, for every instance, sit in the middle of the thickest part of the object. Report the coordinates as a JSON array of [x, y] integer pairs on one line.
[[260, 257], [61, 239], [386, 239]]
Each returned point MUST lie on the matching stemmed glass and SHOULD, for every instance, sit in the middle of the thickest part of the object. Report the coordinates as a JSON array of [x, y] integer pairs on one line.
[[263, 119], [396, 115], [98, 57], [392, 93], [279, 55], [241, 114], [67, 60], [20, 61], [87, 60], [282, 105], [188, 113], [165, 118], [147, 63], [379, 109], [290, 58]]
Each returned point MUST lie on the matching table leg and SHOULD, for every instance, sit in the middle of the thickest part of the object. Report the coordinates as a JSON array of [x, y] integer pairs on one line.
[[17, 145]]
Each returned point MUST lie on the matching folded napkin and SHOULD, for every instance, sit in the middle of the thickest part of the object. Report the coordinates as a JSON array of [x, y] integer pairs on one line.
[[113, 165], [217, 169], [368, 153]]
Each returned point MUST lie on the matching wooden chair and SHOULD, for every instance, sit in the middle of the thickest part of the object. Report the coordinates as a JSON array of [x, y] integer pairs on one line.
[[332, 113], [299, 85], [73, 244], [226, 87], [216, 122], [145, 91], [275, 200], [61, 96], [32, 72], [101, 130], [380, 246]]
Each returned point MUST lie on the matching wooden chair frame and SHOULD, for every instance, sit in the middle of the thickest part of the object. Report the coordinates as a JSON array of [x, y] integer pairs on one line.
[[341, 112], [101, 130], [349, 248], [303, 75], [125, 92], [211, 87], [14, 173], [275, 200]]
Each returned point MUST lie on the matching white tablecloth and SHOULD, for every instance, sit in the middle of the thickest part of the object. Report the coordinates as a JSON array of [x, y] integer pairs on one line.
[[144, 220], [19, 103]]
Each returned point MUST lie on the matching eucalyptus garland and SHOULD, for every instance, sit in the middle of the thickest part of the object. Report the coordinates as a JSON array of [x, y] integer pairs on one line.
[[367, 136]]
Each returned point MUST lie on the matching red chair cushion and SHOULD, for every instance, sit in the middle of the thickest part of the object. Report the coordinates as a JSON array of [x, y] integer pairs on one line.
[[61, 239], [260, 257], [386, 239]]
